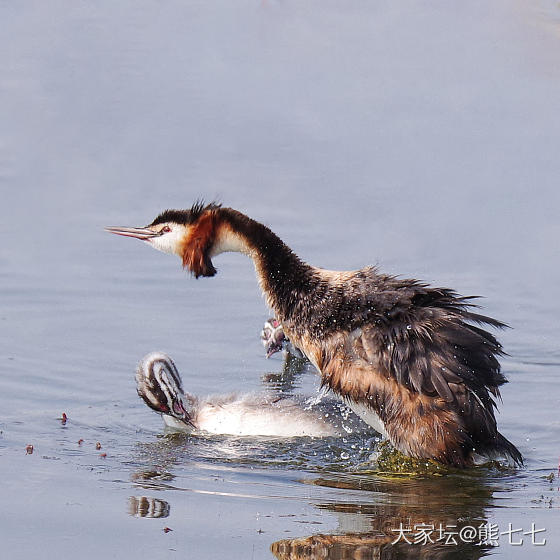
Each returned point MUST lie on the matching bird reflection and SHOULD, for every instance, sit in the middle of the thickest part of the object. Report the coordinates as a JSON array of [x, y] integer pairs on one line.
[[389, 528], [143, 506], [286, 380], [158, 459]]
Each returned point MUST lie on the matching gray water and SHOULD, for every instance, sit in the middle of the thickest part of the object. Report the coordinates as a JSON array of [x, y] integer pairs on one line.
[[419, 136]]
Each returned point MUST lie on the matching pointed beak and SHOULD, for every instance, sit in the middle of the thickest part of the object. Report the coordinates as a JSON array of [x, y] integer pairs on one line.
[[139, 233], [180, 410]]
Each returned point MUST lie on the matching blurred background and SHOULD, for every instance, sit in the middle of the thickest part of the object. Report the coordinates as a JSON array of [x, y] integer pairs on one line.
[[422, 137]]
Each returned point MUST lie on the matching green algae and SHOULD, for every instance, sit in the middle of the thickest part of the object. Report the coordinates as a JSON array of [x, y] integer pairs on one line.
[[390, 461]]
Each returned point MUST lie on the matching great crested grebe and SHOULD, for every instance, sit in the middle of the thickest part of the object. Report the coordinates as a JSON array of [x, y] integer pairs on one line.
[[408, 358], [159, 384]]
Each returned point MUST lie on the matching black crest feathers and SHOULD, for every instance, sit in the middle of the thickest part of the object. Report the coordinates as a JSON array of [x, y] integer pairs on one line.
[[185, 217]]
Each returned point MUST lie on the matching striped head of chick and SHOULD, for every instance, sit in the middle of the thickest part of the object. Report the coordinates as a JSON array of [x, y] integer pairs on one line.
[[194, 235], [159, 385], [273, 337]]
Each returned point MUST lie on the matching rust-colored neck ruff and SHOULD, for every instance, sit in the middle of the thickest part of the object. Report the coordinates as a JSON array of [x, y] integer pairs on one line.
[[195, 250]]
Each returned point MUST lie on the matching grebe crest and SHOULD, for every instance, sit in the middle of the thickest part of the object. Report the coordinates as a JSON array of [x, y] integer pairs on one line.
[[159, 385]]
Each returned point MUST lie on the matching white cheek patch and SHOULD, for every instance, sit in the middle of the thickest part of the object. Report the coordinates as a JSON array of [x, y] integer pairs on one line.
[[168, 242]]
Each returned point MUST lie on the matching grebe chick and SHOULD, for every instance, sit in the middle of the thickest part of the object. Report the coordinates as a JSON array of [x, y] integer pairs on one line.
[[274, 340], [159, 385], [410, 359]]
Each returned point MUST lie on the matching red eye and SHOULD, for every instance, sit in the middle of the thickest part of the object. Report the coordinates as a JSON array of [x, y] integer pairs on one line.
[[165, 229]]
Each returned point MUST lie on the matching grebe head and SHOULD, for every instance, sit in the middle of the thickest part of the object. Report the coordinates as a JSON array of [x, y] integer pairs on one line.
[[273, 337], [159, 385], [189, 234]]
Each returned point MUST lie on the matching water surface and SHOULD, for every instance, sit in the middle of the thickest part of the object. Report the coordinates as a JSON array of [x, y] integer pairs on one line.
[[421, 138]]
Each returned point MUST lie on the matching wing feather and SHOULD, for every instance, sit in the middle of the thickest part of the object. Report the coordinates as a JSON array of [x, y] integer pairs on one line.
[[426, 340]]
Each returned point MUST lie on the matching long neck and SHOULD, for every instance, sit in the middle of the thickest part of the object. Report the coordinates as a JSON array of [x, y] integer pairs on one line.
[[285, 279]]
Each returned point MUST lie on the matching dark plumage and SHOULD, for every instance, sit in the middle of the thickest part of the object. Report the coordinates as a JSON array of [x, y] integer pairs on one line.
[[184, 217], [426, 339], [412, 357]]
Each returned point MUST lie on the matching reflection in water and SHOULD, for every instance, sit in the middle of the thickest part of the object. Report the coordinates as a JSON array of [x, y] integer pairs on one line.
[[358, 546], [148, 507], [157, 459], [152, 478], [285, 381], [370, 509], [422, 515]]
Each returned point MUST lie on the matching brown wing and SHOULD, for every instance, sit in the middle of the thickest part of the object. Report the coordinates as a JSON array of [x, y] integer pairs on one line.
[[429, 344], [407, 350]]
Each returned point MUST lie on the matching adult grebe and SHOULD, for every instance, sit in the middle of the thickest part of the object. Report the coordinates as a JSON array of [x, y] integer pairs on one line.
[[159, 384], [405, 356]]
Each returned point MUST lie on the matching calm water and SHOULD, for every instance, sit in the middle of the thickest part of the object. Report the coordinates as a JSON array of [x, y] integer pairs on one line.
[[424, 139]]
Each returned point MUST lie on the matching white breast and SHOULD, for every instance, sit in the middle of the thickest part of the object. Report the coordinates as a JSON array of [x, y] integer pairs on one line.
[[368, 416], [255, 415]]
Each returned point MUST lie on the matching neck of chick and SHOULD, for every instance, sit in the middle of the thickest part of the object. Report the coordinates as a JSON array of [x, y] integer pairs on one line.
[[287, 282]]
